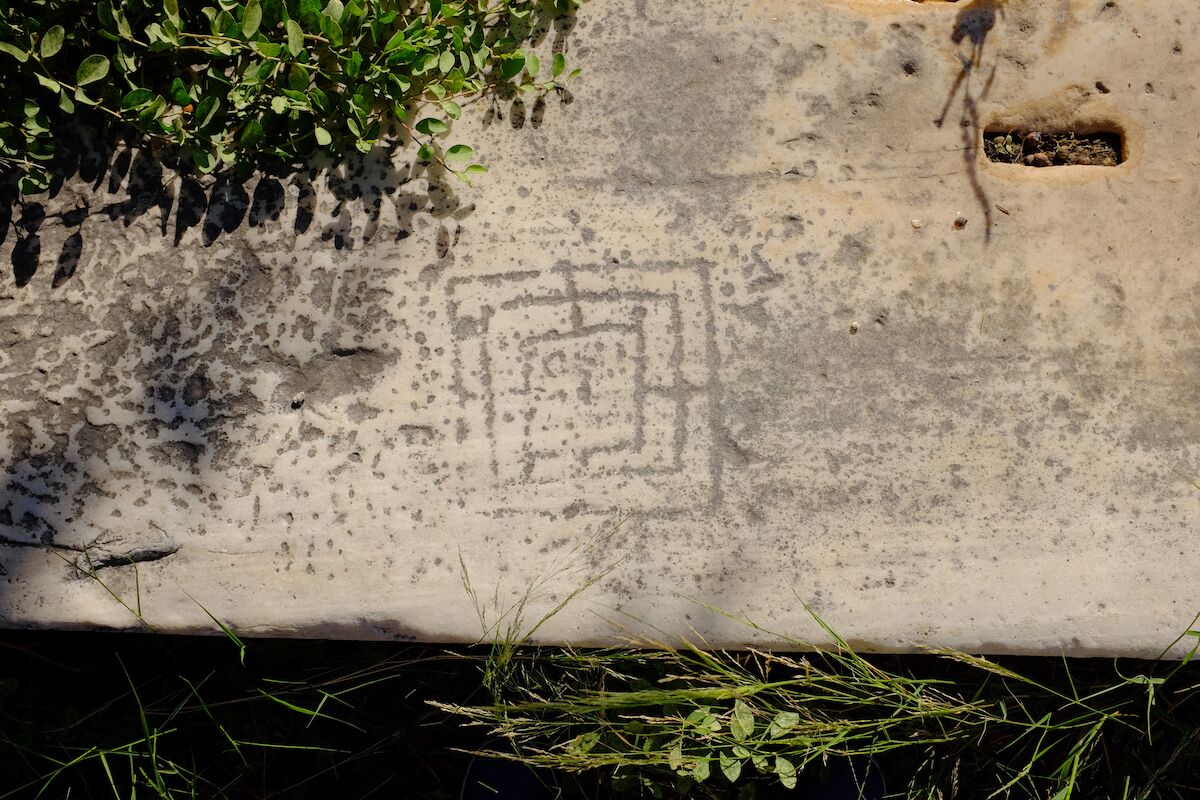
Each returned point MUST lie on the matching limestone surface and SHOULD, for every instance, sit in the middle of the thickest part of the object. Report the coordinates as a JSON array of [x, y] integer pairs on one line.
[[745, 324]]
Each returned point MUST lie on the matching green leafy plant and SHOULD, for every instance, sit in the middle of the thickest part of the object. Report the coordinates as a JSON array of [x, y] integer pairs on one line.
[[227, 84], [1006, 148]]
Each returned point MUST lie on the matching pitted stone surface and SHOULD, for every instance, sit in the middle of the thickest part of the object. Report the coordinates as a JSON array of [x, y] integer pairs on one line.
[[709, 331]]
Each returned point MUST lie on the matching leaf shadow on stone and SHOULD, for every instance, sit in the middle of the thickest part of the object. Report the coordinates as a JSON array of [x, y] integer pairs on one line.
[[68, 259], [123, 184]]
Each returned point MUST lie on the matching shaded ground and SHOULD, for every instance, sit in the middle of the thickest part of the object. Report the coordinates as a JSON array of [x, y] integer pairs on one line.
[[62, 694], [318, 719]]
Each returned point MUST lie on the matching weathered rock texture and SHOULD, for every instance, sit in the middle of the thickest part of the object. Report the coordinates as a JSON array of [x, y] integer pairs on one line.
[[711, 324]]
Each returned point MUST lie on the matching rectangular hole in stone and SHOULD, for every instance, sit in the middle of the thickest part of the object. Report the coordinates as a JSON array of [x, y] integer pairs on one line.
[[1049, 148]]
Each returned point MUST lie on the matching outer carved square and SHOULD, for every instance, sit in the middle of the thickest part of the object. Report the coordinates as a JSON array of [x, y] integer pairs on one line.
[[594, 387]]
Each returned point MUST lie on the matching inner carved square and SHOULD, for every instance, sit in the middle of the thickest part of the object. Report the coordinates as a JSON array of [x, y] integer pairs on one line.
[[579, 394]]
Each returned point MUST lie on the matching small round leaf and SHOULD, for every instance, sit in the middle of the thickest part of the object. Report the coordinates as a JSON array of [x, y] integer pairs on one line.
[[14, 51], [52, 41], [295, 37], [252, 18], [431, 126], [136, 99], [92, 69], [511, 67]]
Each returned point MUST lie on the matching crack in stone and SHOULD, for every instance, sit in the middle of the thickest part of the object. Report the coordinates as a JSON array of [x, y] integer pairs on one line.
[[7, 542], [140, 555]]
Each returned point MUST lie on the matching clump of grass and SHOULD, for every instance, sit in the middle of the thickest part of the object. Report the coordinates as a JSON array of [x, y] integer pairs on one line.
[[664, 719], [507, 627]]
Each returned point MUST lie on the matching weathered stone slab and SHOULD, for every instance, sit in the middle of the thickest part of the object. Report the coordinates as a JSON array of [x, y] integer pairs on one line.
[[752, 320]]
